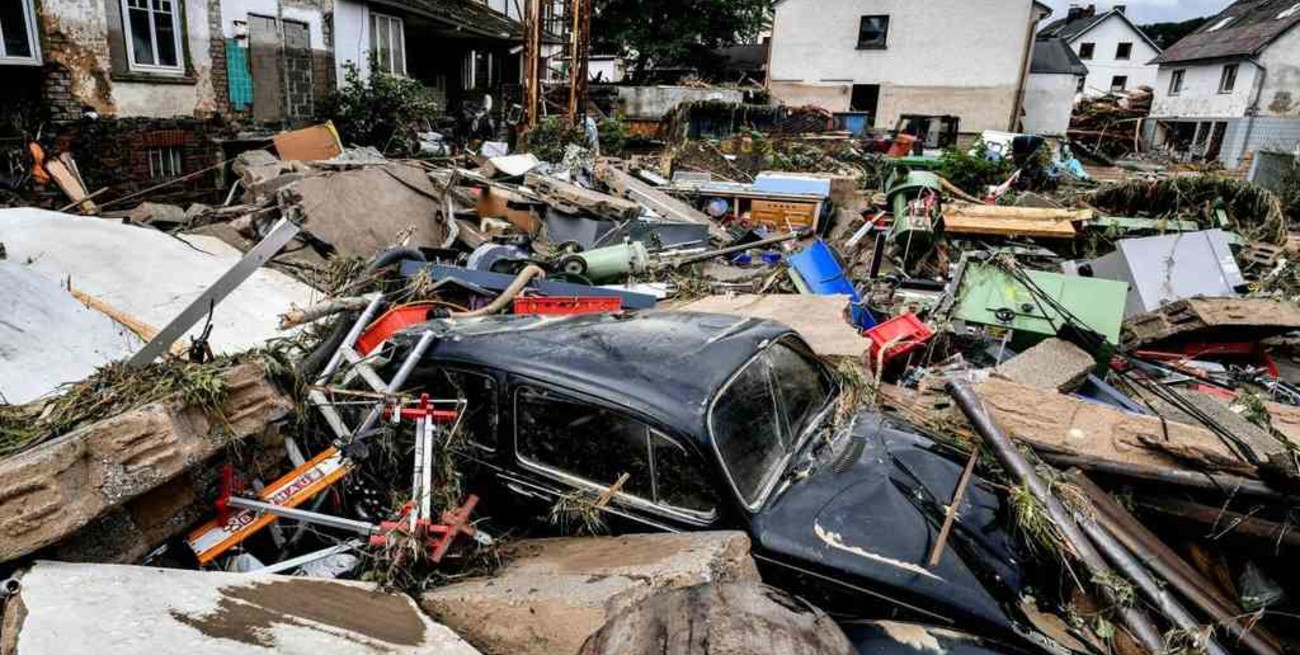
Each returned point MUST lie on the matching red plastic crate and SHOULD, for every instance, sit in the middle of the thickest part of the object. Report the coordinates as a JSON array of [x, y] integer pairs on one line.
[[393, 320], [567, 305], [909, 331]]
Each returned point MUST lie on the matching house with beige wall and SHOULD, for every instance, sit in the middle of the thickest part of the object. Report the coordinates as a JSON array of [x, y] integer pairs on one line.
[[889, 58]]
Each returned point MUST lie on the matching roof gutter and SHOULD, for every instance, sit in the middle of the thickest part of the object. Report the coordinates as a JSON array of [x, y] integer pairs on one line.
[[1017, 108], [1253, 110]]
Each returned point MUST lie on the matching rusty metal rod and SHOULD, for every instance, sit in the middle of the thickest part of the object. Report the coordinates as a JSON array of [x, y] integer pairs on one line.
[[1220, 482], [950, 517], [1139, 624], [1165, 563], [1138, 574]]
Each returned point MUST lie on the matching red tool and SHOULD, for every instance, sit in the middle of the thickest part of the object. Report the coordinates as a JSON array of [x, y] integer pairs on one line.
[[567, 305], [454, 523]]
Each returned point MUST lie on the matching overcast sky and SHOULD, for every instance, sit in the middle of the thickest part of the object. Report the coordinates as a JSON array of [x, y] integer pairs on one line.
[[1150, 11]]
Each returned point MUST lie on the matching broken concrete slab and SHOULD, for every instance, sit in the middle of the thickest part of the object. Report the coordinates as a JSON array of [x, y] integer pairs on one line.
[[151, 275], [1052, 420], [554, 593], [48, 338], [818, 319], [49, 492], [1052, 365], [1202, 319], [657, 201], [720, 619], [134, 610], [364, 211], [154, 212]]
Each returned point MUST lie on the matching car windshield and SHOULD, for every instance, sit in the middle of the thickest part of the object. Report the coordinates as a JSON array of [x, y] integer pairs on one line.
[[758, 419]]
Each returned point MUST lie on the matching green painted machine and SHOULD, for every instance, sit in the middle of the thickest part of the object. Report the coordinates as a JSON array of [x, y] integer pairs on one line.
[[990, 296], [916, 198], [610, 263]]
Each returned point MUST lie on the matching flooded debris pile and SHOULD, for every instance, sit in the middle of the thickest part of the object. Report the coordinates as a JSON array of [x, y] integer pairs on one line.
[[955, 399]]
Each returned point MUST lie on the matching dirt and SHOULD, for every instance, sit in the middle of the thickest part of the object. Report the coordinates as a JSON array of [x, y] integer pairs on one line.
[[247, 614]]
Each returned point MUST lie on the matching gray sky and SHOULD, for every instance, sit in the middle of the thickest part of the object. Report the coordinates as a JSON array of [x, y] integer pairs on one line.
[[1149, 11]]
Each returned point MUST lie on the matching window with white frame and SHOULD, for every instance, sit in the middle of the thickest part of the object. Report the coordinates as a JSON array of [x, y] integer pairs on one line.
[[1228, 79], [1176, 82], [388, 43], [1289, 12], [1222, 23], [164, 163], [153, 35], [18, 42]]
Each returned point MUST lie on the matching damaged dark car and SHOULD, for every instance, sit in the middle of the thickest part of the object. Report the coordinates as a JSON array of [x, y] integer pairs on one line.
[[727, 423]]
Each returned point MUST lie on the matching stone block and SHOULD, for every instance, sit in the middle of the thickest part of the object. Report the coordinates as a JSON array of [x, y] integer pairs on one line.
[[554, 593], [1053, 365], [53, 490]]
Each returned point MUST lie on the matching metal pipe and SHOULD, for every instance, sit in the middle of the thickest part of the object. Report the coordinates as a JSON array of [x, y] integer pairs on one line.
[[351, 339], [10, 587], [1148, 549], [1137, 621], [712, 254], [359, 527], [1133, 570], [1230, 485], [398, 380], [291, 564]]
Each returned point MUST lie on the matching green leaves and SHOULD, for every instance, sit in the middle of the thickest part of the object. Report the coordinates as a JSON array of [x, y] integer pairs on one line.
[[378, 109]]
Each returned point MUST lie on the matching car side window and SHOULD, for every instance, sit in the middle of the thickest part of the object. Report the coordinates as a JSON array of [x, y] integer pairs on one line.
[[582, 439], [746, 430], [680, 481], [479, 424]]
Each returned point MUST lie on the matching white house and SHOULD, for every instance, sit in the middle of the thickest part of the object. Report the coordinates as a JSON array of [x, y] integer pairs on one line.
[[1118, 55], [895, 57], [1231, 90], [1054, 75]]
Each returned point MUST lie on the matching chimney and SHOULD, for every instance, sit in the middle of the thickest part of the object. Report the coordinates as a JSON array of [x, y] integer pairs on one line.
[[1075, 12], [1123, 9], [1090, 12]]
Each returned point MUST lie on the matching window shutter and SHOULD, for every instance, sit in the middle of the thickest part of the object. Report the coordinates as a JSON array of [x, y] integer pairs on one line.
[[116, 38]]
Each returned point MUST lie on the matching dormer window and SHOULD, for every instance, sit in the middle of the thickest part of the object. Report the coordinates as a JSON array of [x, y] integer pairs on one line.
[[1292, 11], [1223, 22]]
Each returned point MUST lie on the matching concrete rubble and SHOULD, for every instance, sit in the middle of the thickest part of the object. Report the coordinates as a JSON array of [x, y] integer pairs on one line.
[[555, 593], [906, 378], [132, 610]]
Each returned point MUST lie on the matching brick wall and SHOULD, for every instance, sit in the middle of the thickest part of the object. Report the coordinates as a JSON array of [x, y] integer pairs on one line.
[[60, 104], [114, 153], [217, 49]]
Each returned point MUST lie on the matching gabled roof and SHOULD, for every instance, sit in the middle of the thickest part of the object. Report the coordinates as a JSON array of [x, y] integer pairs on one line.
[[1053, 56], [1071, 29], [474, 19], [1254, 25]]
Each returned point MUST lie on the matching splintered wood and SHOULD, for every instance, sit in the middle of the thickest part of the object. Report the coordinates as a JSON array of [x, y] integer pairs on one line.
[[965, 218]]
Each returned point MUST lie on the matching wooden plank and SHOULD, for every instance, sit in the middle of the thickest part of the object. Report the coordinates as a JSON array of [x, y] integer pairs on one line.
[[818, 319], [1030, 213], [315, 143], [1008, 227], [71, 185], [572, 198], [658, 201]]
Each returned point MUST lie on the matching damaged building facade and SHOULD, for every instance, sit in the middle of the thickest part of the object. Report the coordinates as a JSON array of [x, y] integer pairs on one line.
[[937, 57], [145, 91], [1230, 92]]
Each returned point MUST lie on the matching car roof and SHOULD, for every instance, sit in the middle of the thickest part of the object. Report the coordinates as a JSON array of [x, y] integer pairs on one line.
[[666, 366]]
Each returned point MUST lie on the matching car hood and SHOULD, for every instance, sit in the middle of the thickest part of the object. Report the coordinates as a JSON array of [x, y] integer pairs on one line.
[[876, 516]]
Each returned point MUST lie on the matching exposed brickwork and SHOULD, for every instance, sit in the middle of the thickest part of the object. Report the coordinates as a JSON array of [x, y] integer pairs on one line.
[[60, 104], [115, 153], [217, 50]]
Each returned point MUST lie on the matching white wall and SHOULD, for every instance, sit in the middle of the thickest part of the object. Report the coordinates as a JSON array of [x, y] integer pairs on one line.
[[1049, 104], [351, 36], [85, 25], [1103, 66], [1280, 95], [943, 57], [511, 8], [1200, 97]]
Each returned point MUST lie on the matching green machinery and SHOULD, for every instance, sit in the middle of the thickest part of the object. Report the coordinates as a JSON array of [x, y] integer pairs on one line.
[[990, 296], [916, 198], [612, 262]]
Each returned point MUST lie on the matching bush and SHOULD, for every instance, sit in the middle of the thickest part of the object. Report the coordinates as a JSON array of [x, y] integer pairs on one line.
[[971, 170], [550, 138], [380, 110], [1289, 193]]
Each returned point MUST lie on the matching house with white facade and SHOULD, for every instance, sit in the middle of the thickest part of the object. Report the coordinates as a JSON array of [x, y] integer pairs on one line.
[[1055, 72], [1118, 55], [1231, 90], [890, 58]]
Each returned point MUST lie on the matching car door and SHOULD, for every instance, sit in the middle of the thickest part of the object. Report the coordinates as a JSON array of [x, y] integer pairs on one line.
[[570, 446]]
